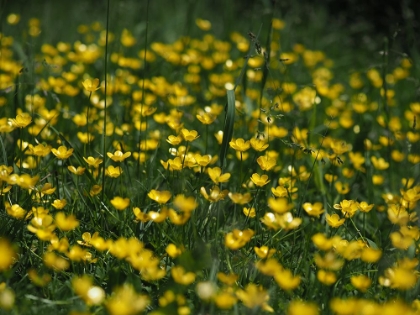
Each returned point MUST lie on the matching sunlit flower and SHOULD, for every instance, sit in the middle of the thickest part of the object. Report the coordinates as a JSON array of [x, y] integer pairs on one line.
[[264, 251], [77, 171], [326, 277], [160, 197], [298, 307], [185, 204], [215, 194], [254, 296], [118, 156], [120, 203], [113, 171], [239, 145], [62, 152], [8, 254], [94, 162], [361, 282], [21, 120], [91, 85], [189, 135], [181, 276], [237, 238], [314, 210], [334, 220], [216, 175], [266, 163], [66, 223], [260, 180], [239, 198]]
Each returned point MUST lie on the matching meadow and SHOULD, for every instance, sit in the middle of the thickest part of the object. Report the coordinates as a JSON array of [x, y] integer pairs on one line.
[[220, 164]]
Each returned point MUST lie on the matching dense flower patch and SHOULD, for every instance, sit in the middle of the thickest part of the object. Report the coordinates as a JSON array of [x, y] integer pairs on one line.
[[116, 198]]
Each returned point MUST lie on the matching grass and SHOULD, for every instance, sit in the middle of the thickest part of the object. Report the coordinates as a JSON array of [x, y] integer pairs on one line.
[[225, 164]]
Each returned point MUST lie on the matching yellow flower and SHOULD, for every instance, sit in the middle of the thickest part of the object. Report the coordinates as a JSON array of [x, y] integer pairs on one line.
[[160, 197], [215, 194], [258, 145], [370, 255], [83, 287], [77, 171], [365, 207], [174, 140], [66, 223], [53, 261], [59, 203], [264, 252], [266, 163], [239, 198], [189, 135], [206, 119], [379, 164], [297, 307], [361, 282], [225, 300], [279, 205], [286, 280], [326, 277], [254, 296], [48, 189], [334, 220], [15, 211], [314, 210], [228, 279], [8, 254], [173, 251], [216, 175], [91, 85], [260, 180], [239, 145], [21, 120], [125, 300], [62, 153], [237, 238], [204, 25], [118, 156], [38, 280], [185, 204], [93, 161], [180, 276], [120, 203], [113, 171], [249, 212]]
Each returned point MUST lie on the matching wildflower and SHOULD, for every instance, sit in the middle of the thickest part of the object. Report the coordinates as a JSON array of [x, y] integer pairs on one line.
[[260, 180], [240, 198], [53, 261], [280, 191], [59, 203], [38, 280], [334, 220], [215, 194], [254, 296], [180, 276], [264, 252], [93, 161], [279, 205], [228, 279], [216, 175], [91, 85], [185, 204], [399, 278], [77, 171], [365, 207], [48, 189], [160, 197], [8, 254], [225, 300], [189, 135], [348, 208], [379, 164], [15, 211], [361, 282], [266, 163], [7, 297], [178, 219], [83, 287], [21, 120], [173, 251], [314, 210], [118, 156], [120, 203], [125, 300], [329, 261], [174, 140], [249, 212], [297, 307], [42, 226], [237, 238], [258, 145], [205, 290], [342, 188], [96, 189], [62, 153], [66, 223], [370, 255], [286, 280], [113, 171], [204, 25], [326, 277], [239, 145], [205, 118]]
